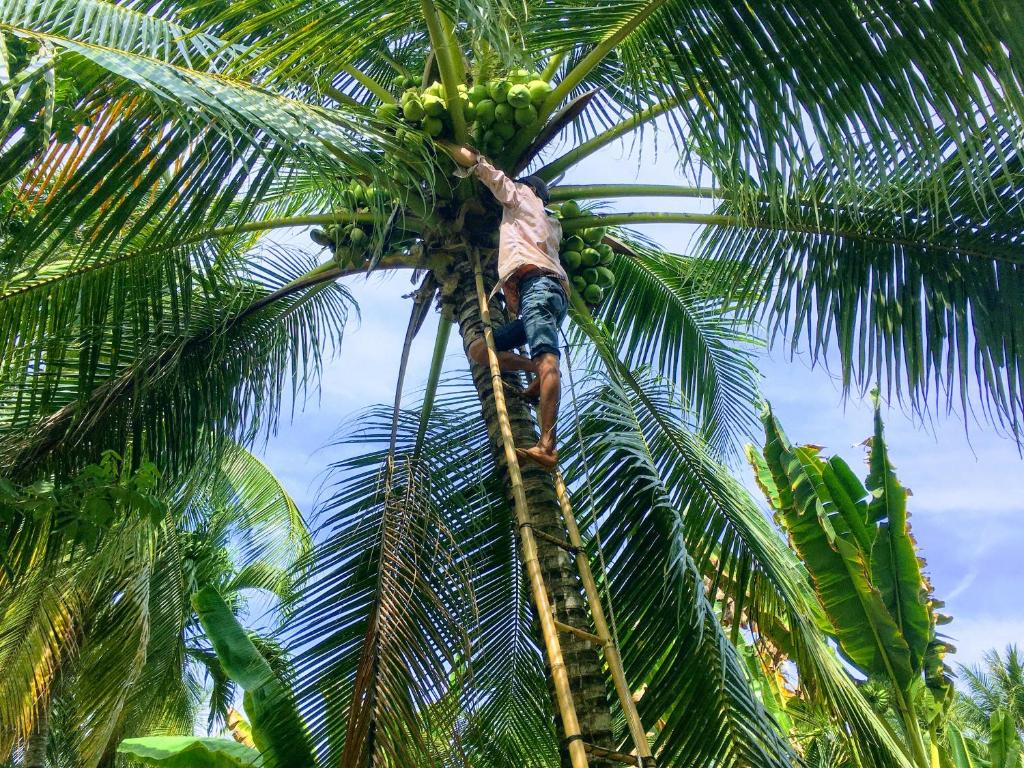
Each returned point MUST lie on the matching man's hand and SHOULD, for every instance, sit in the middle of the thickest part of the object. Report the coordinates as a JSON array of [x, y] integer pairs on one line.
[[462, 155]]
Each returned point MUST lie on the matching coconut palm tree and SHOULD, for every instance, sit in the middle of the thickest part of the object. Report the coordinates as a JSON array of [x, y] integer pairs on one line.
[[862, 160], [97, 635], [996, 685]]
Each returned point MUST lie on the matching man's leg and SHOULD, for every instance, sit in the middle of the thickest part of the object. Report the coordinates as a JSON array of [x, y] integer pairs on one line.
[[506, 337], [550, 380], [507, 361], [544, 308]]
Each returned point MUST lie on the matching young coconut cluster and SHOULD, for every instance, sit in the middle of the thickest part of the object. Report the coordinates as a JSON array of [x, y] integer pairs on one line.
[[587, 258], [347, 241], [498, 109], [350, 240]]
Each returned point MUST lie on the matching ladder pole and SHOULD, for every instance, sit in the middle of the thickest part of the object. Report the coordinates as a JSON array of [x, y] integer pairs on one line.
[[559, 674], [611, 652]]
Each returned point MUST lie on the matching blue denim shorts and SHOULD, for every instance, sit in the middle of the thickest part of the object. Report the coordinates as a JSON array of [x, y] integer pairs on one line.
[[542, 308]]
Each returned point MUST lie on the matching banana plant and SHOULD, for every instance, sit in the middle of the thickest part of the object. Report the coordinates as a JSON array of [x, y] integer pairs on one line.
[[277, 730], [855, 541], [1004, 743]]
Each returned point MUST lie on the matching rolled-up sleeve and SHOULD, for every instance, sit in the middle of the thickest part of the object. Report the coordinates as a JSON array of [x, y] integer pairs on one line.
[[501, 186]]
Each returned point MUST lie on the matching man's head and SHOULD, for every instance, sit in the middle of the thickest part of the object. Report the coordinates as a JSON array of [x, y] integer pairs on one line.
[[536, 183]]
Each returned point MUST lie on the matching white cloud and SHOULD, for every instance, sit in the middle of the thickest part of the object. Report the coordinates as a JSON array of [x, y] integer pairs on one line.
[[962, 586]]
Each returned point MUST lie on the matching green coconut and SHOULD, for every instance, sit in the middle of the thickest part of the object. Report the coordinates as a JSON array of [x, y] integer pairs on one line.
[[574, 243], [579, 284], [572, 260], [413, 111], [594, 235], [478, 93], [498, 90], [591, 258], [519, 96], [503, 113], [539, 90], [432, 105], [590, 275], [520, 75], [505, 130], [492, 141], [358, 192], [469, 111], [593, 294], [570, 210], [485, 112], [387, 111], [605, 277], [526, 116], [356, 236], [433, 126]]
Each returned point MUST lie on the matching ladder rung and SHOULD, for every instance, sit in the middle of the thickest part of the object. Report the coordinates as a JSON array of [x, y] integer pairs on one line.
[[610, 754], [554, 540], [579, 632]]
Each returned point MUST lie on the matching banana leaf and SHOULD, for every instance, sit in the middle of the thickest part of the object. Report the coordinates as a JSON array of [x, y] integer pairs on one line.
[[895, 569], [277, 728], [816, 508], [1004, 747], [957, 754], [189, 752]]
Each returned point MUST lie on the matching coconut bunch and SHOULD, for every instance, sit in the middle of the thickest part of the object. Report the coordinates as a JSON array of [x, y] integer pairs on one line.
[[497, 110], [587, 258], [349, 240]]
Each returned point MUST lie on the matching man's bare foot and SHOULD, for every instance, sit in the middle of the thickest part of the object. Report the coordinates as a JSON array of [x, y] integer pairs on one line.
[[547, 460]]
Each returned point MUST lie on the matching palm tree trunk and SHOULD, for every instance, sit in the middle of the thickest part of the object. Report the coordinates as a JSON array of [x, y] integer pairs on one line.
[[564, 589], [35, 748]]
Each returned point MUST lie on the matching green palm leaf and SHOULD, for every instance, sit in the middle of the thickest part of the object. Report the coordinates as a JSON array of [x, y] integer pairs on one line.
[[663, 316], [907, 287], [671, 638], [392, 577], [213, 378]]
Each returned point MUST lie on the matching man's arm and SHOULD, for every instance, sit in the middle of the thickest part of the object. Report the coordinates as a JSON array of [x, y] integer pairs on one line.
[[463, 156], [501, 186]]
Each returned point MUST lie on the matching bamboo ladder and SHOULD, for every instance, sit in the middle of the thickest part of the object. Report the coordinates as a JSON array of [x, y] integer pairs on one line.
[[577, 747]]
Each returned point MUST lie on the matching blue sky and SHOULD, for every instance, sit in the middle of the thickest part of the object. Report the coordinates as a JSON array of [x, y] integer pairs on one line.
[[968, 490]]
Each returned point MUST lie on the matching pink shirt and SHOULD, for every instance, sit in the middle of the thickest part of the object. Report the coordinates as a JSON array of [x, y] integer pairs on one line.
[[528, 237]]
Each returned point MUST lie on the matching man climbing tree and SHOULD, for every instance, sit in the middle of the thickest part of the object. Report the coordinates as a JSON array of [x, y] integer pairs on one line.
[[535, 287]]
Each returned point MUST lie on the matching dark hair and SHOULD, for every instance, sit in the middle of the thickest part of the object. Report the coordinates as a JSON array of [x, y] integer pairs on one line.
[[536, 183]]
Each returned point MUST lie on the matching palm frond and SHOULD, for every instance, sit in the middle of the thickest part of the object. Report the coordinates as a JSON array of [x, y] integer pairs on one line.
[[38, 632], [663, 315], [266, 525], [504, 706], [115, 25], [913, 292], [173, 392], [390, 577], [709, 521], [765, 91], [671, 639]]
